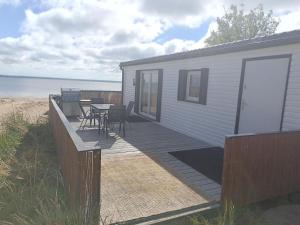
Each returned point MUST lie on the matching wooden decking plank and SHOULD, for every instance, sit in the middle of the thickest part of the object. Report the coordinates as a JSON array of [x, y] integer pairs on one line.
[[141, 160]]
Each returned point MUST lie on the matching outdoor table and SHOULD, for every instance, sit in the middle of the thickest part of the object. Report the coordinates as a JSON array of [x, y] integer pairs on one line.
[[98, 109], [85, 101]]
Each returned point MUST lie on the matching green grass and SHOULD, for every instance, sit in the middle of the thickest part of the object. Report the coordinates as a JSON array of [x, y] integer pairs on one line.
[[228, 215], [31, 186]]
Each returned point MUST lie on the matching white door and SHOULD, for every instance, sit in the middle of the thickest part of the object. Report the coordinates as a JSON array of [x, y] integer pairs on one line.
[[263, 95], [149, 92]]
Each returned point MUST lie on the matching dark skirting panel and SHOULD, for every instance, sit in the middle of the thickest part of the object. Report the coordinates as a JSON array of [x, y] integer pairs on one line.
[[208, 161]]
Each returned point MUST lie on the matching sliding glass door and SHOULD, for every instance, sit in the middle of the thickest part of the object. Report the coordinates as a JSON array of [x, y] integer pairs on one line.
[[148, 93]]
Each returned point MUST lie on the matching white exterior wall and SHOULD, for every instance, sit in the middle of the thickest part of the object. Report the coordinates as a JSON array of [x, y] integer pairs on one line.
[[212, 122]]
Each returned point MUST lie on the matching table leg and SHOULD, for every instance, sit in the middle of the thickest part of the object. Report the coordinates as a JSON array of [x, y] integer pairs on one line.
[[91, 113], [99, 124], [106, 124]]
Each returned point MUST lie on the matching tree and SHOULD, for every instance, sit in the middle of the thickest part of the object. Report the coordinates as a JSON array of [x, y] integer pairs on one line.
[[236, 25]]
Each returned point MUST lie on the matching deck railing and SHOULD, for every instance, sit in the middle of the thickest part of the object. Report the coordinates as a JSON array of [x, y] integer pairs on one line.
[[113, 97], [260, 167], [80, 165]]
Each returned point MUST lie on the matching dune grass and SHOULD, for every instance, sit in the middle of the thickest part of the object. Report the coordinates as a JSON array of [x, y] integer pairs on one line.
[[31, 187], [227, 215]]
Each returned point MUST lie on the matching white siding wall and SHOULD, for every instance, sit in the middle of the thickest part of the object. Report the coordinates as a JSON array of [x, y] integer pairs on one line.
[[213, 121]]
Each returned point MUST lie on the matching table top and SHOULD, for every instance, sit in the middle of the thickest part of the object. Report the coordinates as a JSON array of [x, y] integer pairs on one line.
[[101, 106], [85, 100]]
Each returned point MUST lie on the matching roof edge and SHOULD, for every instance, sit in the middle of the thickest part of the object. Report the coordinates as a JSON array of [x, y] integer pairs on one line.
[[285, 38]]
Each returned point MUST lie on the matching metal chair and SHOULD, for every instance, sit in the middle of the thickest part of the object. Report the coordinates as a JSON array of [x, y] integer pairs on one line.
[[116, 114], [95, 101], [86, 116], [128, 110]]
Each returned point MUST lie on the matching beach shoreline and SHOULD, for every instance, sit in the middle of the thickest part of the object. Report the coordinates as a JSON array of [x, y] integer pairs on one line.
[[31, 107]]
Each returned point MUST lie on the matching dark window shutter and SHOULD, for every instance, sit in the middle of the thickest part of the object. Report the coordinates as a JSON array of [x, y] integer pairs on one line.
[[159, 94], [182, 85], [137, 91], [203, 86]]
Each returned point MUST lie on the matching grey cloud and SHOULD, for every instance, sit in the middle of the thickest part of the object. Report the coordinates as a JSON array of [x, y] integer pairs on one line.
[[78, 68], [71, 56], [122, 37], [170, 48], [173, 7], [11, 48], [6, 51], [62, 62], [61, 57], [275, 5], [43, 55], [182, 8], [35, 58], [63, 21], [92, 53], [107, 62], [128, 53], [9, 60]]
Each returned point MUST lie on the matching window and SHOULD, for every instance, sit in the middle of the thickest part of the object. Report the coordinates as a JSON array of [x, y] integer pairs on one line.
[[193, 85]]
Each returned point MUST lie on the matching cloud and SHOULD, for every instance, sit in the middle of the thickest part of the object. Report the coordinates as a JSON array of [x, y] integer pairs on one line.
[[172, 8], [190, 13], [275, 5], [122, 37], [60, 20], [124, 53], [89, 38], [289, 21]]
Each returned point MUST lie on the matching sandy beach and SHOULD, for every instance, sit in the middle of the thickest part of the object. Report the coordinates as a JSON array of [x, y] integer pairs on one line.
[[32, 108]]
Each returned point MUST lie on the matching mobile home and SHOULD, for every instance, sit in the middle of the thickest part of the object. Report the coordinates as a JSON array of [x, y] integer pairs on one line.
[[250, 86]]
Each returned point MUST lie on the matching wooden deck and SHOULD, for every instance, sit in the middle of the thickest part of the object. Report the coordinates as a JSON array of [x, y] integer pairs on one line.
[[140, 179]]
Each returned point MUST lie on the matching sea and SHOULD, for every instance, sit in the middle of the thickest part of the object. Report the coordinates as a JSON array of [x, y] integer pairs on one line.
[[12, 86]]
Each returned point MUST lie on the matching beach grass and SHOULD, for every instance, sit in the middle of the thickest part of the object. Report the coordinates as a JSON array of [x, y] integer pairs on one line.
[[31, 185], [228, 214]]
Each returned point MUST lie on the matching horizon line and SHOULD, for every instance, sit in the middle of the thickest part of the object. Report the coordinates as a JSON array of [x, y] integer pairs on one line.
[[58, 78]]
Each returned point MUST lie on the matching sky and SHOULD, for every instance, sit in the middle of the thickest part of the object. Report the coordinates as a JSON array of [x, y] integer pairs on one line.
[[87, 39]]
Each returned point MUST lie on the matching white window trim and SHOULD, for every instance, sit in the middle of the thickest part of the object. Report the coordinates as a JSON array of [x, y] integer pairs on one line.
[[187, 96]]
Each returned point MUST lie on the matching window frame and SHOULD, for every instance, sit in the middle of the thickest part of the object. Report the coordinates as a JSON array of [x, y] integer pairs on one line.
[[188, 85], [137, 91], [203, 89]]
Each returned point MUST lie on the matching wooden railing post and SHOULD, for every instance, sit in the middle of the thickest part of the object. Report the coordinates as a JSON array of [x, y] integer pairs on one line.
[[259, 167], [80, 165], [90, 166]]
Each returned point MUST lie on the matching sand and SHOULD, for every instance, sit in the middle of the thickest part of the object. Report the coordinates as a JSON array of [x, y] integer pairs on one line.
[[32, 108]]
